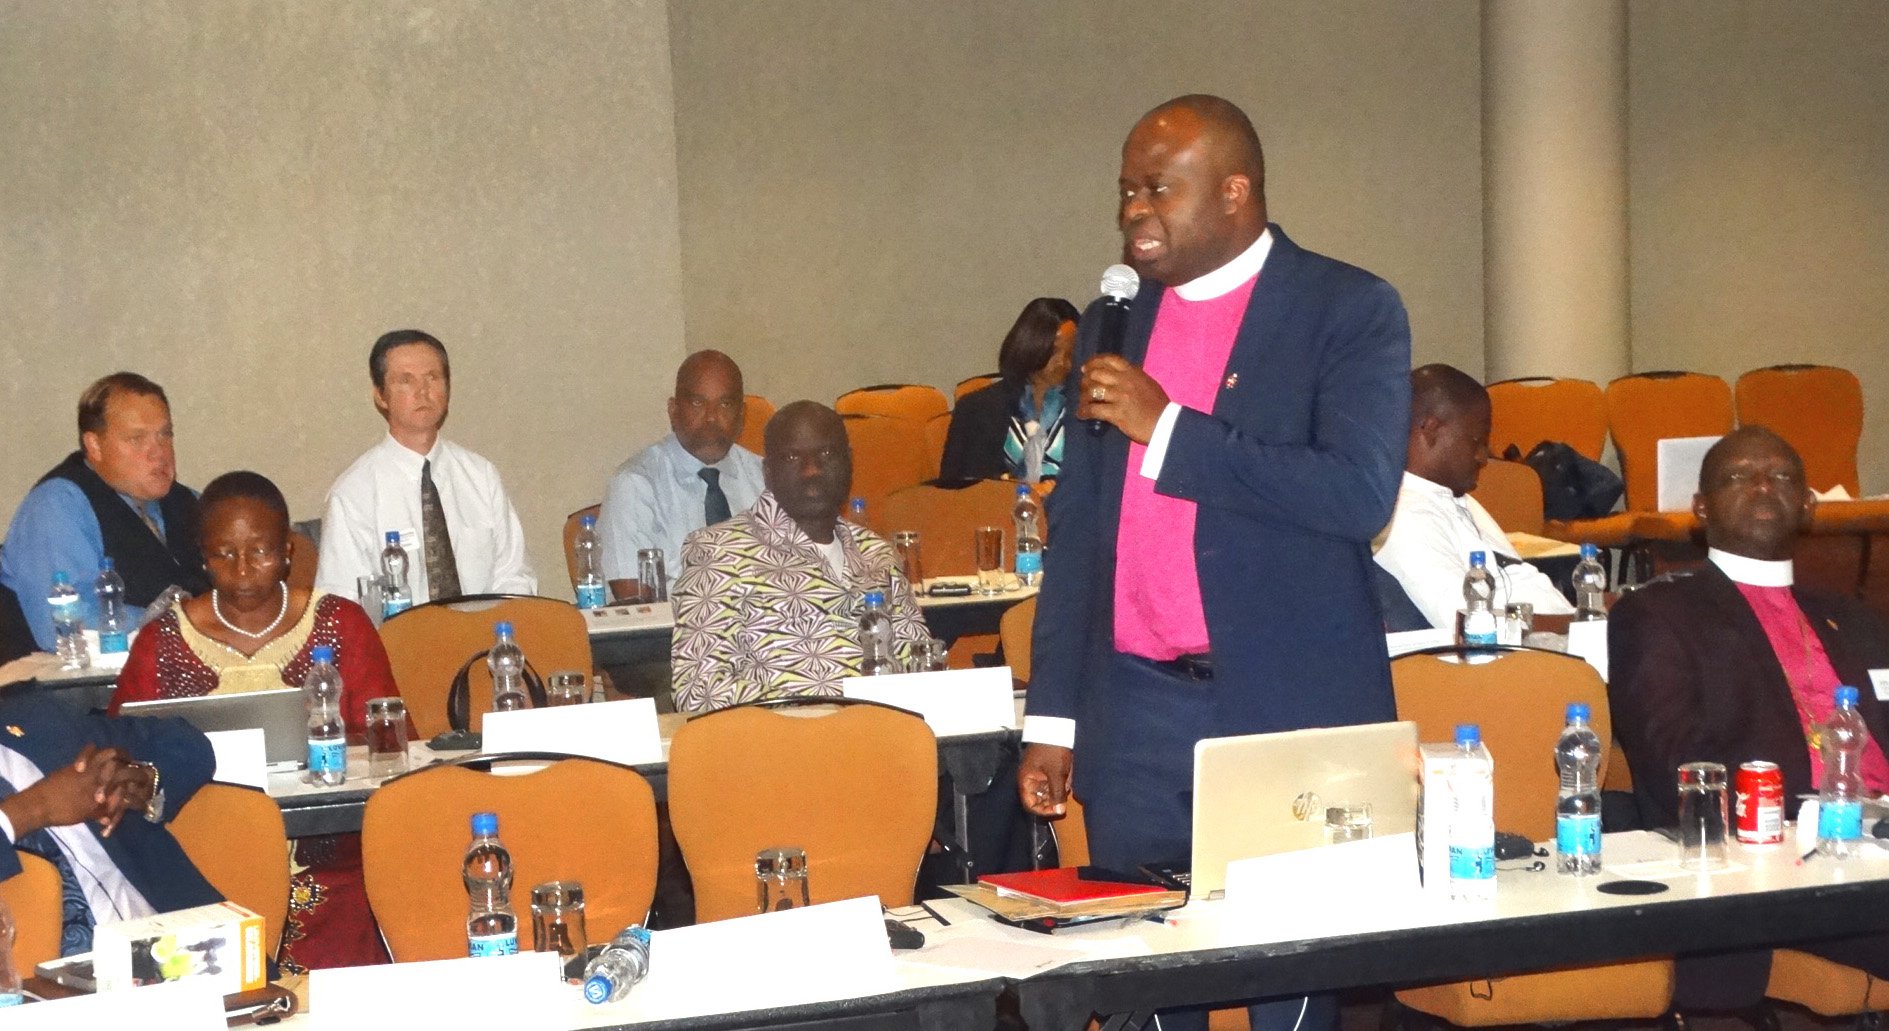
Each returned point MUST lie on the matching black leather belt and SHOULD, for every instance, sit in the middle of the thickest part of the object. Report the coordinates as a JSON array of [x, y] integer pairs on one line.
[[1198, 666]]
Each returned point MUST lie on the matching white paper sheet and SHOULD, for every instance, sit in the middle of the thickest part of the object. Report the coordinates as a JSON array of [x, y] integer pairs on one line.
[[240, 758], [192, 1004], [1587, 640], [957, 701], [836, 950], [621, 732], [492, 991]]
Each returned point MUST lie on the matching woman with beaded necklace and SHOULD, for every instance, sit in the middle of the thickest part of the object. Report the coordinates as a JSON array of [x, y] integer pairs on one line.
[[253, 632]]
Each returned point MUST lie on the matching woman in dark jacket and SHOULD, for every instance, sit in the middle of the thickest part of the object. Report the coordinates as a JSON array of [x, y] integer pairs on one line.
[[996, 431]]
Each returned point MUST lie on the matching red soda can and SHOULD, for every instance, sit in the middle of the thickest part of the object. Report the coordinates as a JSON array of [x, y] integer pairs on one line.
[[1760, 803]]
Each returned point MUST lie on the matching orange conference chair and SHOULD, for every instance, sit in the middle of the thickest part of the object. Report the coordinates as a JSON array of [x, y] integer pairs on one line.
[[415, 829], [1511, 492], [571, 523], [946, 516], [1437, 693], [909, 401], [1526, 411], [822, 758], [428, 643], [33, 896], [888, 454], [754, 424], [937, 432], [303, 555], [235, 837], [973, 384]]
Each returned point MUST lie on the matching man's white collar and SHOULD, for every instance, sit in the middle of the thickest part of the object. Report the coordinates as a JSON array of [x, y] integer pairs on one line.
[[1756, 572], [1226, 278]]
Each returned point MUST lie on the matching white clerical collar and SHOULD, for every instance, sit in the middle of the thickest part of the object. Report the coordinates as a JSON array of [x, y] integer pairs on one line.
[[1756, 572], [1226, 278]]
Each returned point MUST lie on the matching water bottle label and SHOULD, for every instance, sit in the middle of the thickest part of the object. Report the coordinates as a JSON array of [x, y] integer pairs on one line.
[[112, 644], [492, 944], [1485, 639], [394, 606], [590, 596], [327, 757], [1029, 562], [1472, 864], [1840, 821], [11, 999], [1577, 835]]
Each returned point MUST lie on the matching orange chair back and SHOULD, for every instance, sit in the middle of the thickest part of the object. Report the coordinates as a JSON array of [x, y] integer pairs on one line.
[[33, 896], [946, 517], [575, 820], [571, 524], [937, 431], [1648, 407], [235, 837], [974, 384], [428, 643], [1520, 701], [302, 558], [856, 786], [754, 427], [1511, 491], [1014, 629], [1525, 412], [1818, 409], [909, 401], [888, 454]]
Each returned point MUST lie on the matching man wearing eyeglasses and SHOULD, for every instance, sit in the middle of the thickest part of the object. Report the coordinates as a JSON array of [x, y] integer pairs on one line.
[[695, 476]]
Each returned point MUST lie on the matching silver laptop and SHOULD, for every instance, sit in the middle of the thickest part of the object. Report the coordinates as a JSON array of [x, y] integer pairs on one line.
[[282, 715], [1262, 794]]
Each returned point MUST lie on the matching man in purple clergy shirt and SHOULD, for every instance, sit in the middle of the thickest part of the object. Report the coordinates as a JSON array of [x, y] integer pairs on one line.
[[1211, 567]]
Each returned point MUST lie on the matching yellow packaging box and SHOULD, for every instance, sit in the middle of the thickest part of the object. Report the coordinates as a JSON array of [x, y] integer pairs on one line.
[[221, 941]]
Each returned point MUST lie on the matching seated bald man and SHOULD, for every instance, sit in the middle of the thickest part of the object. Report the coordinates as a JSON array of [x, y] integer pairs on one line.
[[767, 605], [1737, 662]]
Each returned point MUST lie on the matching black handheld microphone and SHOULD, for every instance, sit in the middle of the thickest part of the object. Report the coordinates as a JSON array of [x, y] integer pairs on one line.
[[1119, 286]]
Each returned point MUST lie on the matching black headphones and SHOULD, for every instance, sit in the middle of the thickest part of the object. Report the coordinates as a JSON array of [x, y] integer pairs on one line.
[[458, 701]]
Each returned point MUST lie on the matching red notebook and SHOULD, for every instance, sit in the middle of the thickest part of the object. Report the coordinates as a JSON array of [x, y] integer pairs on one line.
[[1072, 884]]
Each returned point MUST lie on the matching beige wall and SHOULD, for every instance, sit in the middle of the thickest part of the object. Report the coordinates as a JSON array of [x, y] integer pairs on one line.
[[872, 190], [237, 197], [1760, 192]]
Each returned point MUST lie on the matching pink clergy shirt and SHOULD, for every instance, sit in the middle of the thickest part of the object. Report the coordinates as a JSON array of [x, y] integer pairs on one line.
[[1812, 678], [1158, 613]]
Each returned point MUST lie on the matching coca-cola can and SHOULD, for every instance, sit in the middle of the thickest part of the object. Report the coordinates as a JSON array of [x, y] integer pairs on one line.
[[1760, 803]]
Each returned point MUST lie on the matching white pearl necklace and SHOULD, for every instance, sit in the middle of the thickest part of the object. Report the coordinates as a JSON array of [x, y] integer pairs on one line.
[[216, 606]]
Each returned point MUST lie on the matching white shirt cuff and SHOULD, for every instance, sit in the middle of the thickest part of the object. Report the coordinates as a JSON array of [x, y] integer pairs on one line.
[[1049, 730], [6, 828], [1157, 452]]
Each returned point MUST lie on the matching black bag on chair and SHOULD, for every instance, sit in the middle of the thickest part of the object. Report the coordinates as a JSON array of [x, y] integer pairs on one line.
[[1573, 486], [458, 697]]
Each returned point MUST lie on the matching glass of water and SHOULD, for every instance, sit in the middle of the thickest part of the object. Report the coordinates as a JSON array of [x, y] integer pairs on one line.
[[1348, 821], [652, 580], [989, 544], [911, 563], [386, 737], [780, 876], [566, 687], [1702, 816]]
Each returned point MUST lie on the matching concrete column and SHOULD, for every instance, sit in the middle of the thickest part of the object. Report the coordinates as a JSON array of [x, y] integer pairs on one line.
[[1554, 166]]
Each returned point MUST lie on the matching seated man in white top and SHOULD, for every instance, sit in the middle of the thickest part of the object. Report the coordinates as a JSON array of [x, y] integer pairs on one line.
[[455, 521], [696, 476], [1437, 524]]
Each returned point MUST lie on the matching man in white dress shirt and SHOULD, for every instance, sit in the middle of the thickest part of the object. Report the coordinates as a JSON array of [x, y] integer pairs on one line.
[[1437, 524], [448, 505]]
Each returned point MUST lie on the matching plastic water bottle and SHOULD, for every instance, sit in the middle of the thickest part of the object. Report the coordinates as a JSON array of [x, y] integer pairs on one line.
[[491, 925], [1577, 809], [1590, 585], [856, 512], [327, 726], [1472, 817], [396, 595], [616, 969], [590, 587], [1479, 622], [114, 625], [507, 664], [11, 993], [1028, 514], [68, 624], [1840, 796], [875, 637]]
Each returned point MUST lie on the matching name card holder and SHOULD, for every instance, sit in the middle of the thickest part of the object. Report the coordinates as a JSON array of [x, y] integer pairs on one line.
[[240, 757], [522, 990], [956, 701], [833, 951], [619, 732]]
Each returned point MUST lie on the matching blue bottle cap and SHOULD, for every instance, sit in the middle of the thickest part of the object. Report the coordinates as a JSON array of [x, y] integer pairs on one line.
[[1589, 551], [1468, 734], [597, 988], [484, 825], [322, 653], [1579, 711], [393, 536], [589, 522], [1477, 559], [859, 504], [1022, 489], [105, 564], [1846, 697], [875, 597], [502, 628], [59, 577]]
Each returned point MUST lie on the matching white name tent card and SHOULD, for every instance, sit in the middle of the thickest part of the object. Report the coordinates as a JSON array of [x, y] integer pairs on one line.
[[192, 1004], [833, 951], [619, 732], [522, 990], [1403, 642], [1324, 890], [956, 701], [240, 758], [1587, 640]]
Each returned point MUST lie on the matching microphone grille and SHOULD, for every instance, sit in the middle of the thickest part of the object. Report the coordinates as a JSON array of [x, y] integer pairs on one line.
[[1120, 281]]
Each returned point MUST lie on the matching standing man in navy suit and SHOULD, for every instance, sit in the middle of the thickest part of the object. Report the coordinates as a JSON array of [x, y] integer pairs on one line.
[[1211, 572]]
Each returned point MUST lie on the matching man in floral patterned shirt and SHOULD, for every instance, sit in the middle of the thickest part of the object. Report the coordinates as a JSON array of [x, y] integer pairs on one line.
[[768, 603]]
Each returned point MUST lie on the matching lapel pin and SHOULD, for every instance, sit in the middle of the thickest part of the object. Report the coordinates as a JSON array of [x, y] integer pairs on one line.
[[15, 731], [1233, 380], [1831, 623]]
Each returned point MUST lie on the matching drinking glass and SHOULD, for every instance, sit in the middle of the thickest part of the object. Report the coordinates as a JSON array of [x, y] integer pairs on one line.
[[652, 581], [989, 542], [1347, 821], [934, 656], [367, 589], [1519, 619], [780, 876], [1702, 816], [557, 919], [911, 563], [566, 687], [386, 737]]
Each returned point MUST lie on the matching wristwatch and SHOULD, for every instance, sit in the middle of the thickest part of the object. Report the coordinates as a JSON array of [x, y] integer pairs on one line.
[[154, 806]]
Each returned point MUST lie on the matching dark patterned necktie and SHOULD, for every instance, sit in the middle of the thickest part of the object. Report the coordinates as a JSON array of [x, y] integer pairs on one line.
[[715, 505], [442, 573], [75, 932]]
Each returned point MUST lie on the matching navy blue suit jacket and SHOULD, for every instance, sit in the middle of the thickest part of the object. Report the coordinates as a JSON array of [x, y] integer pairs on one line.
[[1294, 471], [51, 733]]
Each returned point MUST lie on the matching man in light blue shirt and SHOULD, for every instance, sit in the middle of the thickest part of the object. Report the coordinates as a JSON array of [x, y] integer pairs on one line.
[[693, 477]]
